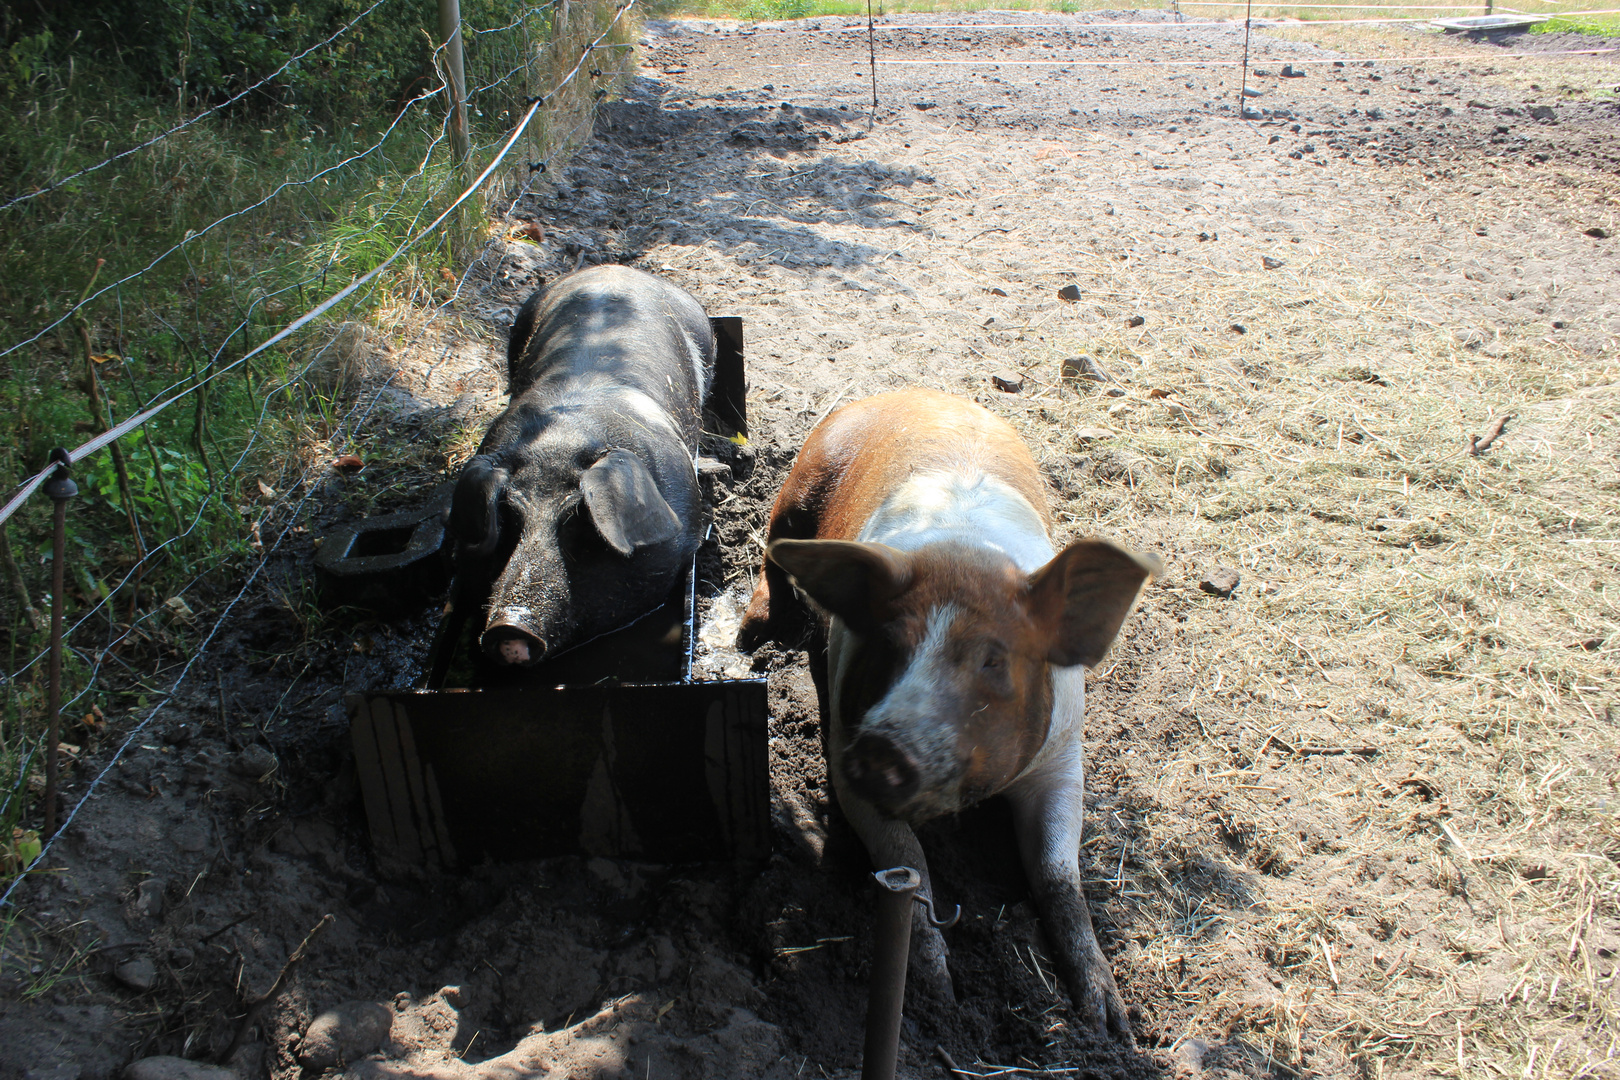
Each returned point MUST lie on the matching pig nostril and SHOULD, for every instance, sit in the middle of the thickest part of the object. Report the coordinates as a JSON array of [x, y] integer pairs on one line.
[[879, 770], [511, 645]]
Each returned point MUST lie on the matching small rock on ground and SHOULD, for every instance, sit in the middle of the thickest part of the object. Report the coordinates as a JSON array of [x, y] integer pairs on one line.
[[137, 974], [1223, 582], [1083, 367], [342, 1034], [1008, 381], [149, 897], [254, 762]]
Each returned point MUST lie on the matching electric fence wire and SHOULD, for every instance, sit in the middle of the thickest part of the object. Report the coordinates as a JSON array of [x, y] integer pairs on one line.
[[1111, 64], [158, 707], [196, 234], [309, 490], [1170, 24], [162, 549], [138, 568], [140, 565], [113, 434], [227, 103], [514, 24]]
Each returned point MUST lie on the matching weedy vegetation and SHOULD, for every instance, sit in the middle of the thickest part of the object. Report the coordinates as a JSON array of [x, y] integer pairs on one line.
[[270, 182]]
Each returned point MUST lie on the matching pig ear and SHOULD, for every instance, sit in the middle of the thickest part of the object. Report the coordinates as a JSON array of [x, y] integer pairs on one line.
[[1081, 598], [475, 505], [843, 577], [625, 503]]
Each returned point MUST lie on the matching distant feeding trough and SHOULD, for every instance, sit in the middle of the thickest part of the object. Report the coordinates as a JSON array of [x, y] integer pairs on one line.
[[1487, 23], [610, 749]]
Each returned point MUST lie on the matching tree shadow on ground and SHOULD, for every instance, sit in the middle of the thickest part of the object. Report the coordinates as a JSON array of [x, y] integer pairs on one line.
[[766, 185]]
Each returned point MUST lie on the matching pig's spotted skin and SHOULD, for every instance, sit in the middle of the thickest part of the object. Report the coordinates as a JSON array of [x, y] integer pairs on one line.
[[912, 715], [934, 507], [938, 506], [648, 410], [515, 651]]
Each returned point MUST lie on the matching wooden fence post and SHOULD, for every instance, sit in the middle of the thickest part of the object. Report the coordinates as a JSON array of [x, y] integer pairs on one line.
[[464, 222]]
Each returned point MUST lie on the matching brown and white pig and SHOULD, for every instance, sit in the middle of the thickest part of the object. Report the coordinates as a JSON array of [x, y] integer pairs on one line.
[[581, 508], [956, 641]]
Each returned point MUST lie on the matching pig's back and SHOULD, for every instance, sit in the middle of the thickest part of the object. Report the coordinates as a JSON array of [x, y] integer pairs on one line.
[[867, 453], [602, 330]]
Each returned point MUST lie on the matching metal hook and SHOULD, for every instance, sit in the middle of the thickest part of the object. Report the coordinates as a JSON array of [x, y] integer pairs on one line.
[[933, 918]]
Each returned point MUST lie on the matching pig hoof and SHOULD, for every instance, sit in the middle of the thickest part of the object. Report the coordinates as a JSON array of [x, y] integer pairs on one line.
[[930, 973], [1103, 1011], [515, 651]]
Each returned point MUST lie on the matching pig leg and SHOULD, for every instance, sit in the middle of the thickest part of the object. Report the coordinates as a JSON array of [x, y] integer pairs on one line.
[[764, 615], [1048, 807], [775, 612], [892, 843]]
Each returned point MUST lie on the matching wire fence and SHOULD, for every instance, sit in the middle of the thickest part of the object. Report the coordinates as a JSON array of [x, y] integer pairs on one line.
[[98, 657]]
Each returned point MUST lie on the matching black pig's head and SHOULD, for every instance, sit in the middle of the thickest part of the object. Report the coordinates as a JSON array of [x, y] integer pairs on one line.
[[575, 536]]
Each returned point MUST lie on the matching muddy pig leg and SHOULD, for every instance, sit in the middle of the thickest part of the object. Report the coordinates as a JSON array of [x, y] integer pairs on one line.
[[1048, 809]]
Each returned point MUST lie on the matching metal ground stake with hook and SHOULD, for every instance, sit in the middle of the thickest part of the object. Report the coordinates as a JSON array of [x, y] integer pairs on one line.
[[60, 487], [886, 994]]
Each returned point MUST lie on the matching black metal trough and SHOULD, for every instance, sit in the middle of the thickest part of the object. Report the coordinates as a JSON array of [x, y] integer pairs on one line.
[[610, 749], [391, 563]]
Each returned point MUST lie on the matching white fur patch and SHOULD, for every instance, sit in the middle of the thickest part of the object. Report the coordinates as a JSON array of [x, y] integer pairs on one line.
[[974, 508], [700, 377], [911, 708], [648, 410]]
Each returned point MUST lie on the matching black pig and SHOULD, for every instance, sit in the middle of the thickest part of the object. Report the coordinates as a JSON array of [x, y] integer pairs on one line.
[[580, 510]]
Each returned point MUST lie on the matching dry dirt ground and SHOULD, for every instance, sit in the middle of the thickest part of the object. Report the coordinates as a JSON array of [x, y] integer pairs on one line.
[[1357, 818]]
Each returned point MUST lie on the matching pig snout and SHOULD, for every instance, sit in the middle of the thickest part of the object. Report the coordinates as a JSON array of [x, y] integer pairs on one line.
[[880, 771], [512, 643]]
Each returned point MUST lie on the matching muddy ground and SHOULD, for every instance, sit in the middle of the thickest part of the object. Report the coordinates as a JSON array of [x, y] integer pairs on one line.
[[925, 248]]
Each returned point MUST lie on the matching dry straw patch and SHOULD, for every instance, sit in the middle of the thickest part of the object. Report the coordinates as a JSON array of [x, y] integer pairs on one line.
[[1404, 719], [1519, 78]]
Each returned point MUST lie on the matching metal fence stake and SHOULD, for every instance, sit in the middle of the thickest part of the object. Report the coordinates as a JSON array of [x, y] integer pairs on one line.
[[897, 889], [60, 487]]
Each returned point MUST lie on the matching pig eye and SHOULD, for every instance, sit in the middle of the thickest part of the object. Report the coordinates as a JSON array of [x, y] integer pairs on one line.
[[576, 536], [995, 658]]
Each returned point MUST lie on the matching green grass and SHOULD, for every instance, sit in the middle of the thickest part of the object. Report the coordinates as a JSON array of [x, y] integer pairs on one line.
[[1594, 25]]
